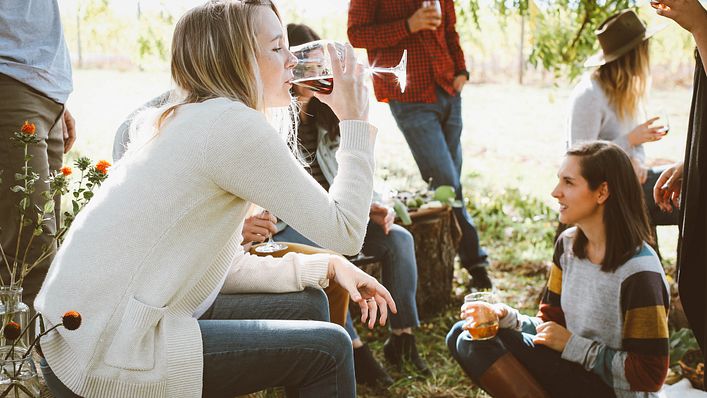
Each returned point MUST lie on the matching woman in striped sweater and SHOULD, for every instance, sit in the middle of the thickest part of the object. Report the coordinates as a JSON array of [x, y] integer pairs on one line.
[[602, 326]]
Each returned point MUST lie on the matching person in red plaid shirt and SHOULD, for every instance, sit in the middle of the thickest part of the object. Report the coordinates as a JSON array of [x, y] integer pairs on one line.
[[429, 111]]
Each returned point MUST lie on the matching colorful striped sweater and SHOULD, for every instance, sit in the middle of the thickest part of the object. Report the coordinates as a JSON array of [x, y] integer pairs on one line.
[[618, 319]]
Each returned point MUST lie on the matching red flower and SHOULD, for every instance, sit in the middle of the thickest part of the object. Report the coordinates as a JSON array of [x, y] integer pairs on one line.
[[28, 128], [103, 166], [71, 320], [12, 331], [66, 171]]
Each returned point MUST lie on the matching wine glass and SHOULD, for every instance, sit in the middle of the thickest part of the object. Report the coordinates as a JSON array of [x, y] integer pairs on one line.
[[313, 69], [663, 120], [433, 3], [481, 320], [270, 246]]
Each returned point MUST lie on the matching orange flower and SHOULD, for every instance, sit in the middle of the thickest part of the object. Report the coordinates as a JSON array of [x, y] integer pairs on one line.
[[66, 170], [71, 320], [12, 331], [28, 128], [103, 166]]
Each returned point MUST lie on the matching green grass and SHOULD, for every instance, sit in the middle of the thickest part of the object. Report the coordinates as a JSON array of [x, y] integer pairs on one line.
[[513, 141]]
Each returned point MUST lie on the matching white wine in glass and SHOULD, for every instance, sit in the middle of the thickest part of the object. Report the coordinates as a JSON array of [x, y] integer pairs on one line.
[[313, 69]]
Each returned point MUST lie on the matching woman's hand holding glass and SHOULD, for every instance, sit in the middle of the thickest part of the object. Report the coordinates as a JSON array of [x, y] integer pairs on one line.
[[687, 13], [646, 132], [372, 297], [349, 99]]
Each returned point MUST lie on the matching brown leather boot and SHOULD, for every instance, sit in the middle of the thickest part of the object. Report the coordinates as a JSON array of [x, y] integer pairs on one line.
[[508, 378]]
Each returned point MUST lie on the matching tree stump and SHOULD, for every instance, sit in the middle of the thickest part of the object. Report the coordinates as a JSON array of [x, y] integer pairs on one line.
[[437, 236]]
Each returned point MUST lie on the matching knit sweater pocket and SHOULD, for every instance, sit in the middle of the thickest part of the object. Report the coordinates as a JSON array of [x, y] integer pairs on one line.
[[133, 347]]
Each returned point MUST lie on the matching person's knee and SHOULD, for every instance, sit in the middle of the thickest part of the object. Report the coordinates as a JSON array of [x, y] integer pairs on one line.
[[452, 337], [401, 240], [336, 342], [316, 305]]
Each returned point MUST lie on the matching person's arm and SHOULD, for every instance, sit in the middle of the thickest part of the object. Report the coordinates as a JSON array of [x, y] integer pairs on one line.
[[452, 38], [642, 362], [691, 16], [550, 305], [246, 156]]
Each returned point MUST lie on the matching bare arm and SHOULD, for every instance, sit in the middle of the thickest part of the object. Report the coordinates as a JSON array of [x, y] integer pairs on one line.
[[692, 17]]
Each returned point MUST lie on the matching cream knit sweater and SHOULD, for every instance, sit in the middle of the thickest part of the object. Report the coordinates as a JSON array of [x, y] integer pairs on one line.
[[165, 229]]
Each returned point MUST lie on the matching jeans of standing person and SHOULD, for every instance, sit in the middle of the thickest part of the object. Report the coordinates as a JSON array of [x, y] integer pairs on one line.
[[397, 253], [433, 133], [255, 341], [561, 378]]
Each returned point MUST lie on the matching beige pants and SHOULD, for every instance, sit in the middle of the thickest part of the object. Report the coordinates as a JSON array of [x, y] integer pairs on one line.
[[19, 102]]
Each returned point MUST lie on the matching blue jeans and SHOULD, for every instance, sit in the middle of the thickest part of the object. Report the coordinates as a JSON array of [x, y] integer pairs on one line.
[[559, 377], [397, 253], [433, 133], [255, 341]]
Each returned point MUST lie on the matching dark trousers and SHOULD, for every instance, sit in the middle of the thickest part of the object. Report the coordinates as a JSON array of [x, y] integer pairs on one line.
[[559, 377], [19, 102], [433, 133]]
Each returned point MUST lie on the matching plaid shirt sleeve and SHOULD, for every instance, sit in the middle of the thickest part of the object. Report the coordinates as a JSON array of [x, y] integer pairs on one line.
[[452, 38], [365, 32]]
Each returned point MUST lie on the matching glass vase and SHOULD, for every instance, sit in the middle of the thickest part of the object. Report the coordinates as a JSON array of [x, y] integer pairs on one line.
[[12, 309], [18, 374]]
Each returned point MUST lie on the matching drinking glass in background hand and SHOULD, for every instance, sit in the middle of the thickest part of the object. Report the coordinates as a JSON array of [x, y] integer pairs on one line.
[[481, 317], [664, 121], [433, 3]]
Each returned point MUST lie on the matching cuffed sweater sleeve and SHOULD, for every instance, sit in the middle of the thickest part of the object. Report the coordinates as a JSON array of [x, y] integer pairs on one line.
[[292, 272]]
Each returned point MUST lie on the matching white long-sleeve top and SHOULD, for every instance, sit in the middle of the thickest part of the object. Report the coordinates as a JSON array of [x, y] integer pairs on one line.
[[593, 118], [164, 231]]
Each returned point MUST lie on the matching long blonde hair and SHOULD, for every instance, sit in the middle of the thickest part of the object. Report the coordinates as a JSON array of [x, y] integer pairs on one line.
[[214, 49], [625, 80]]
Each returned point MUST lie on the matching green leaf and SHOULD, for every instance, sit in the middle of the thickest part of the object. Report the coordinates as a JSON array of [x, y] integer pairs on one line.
[[17, 188], [49, 207], [88, 195], [24, 203], [681, 342], [76, 207], [402, 211]]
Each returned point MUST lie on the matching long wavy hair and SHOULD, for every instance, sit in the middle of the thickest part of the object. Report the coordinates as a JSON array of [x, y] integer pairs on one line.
[[214, 50], [625, 80], [625, 215]]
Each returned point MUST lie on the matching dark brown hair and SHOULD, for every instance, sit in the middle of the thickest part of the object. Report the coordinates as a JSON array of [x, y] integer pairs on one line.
[[320, 113], [625, 217]]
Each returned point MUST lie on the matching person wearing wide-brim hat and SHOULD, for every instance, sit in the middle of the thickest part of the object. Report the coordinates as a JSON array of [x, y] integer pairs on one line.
[[607, 104]]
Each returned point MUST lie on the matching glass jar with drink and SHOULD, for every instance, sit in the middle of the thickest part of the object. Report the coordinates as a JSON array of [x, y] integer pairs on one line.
[[480, 315]]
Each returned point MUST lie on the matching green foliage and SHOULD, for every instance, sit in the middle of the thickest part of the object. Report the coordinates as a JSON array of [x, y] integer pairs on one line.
[[681, 342], [517, 228], [561, 31]]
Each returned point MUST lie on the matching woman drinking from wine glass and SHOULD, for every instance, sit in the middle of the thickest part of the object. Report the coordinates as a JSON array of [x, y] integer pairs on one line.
[[602, 326], [144, 261]]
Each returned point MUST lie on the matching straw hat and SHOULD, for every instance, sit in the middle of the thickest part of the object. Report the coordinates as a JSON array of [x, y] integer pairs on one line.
[[618, 35]]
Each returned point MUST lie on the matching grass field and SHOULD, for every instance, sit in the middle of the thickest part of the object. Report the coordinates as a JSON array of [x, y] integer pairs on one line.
[[514, 137]]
